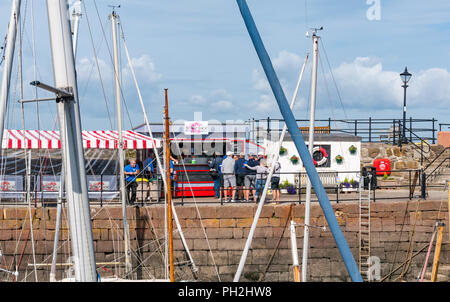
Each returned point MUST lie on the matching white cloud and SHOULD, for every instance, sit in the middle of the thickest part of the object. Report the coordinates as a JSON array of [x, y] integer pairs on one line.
[[363, 84], [222, 105], [287, 66], [144, 68], [87, 69], [217, 101], [197, 100]]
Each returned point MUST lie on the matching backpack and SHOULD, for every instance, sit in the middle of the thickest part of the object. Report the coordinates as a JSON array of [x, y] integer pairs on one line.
[[213, 171]]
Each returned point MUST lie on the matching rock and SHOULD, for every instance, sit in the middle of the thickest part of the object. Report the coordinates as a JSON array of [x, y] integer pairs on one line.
[[389, 152], [412, 165], [364, 152], [398, 152], [437, 148], [373, 152], [399, 165]]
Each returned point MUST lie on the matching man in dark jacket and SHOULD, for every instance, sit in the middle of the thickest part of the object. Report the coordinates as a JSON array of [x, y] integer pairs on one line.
[[215, 166], [240, 171], [250, 177]]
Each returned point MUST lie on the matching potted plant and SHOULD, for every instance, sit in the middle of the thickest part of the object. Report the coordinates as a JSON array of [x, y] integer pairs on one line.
[[352, 149], [291, 189], [354, 184], [388, 182], [294, 159], [348, 186], [284, 185], [283, 150], [346, 183], [339, 159]]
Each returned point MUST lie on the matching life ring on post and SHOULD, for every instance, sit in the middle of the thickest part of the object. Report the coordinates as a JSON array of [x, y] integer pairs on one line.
[[324, 158]]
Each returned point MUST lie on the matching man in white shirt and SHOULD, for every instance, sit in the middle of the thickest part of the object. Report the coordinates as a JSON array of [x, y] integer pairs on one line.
[[229, 178]]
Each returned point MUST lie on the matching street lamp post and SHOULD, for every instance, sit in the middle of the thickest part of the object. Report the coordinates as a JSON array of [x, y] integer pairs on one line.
[[405, 76]]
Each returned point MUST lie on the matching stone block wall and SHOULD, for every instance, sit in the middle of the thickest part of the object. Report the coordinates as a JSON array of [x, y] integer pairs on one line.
[[226, 227], [405, 158]]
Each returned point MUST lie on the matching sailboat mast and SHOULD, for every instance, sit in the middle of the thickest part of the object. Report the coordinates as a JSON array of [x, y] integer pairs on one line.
[[169, 188], [315, 40], [71, 141], [76, 16], [126, 230], [8, 62], [266, 186], [75, 25]]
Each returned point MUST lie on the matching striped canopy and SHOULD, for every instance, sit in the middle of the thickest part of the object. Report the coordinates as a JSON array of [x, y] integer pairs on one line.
[[102, 139]]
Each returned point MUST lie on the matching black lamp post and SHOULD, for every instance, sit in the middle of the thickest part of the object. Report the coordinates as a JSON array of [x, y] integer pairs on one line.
[[405, 76]]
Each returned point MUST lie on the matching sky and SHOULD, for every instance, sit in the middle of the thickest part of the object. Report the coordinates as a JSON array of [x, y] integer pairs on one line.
[[201, 52]]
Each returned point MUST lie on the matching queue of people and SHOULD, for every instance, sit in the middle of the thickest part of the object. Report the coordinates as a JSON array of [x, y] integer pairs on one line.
[[240, 177], [236, 178]]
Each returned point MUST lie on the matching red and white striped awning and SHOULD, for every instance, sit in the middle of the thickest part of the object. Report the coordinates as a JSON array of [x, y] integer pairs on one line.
[[41, 139]]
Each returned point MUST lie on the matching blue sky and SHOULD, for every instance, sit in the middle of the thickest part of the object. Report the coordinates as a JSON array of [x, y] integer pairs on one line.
[[201, 51]]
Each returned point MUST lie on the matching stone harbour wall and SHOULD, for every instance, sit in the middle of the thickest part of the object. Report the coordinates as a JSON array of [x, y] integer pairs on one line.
[[393, 224]]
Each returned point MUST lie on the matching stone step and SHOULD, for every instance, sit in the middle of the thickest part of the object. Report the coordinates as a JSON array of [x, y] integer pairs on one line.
[[439, 278]]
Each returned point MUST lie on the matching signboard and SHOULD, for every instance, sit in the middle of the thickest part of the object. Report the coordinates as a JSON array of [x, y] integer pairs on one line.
[[48, 186], [7, 185], [97, 186], [104, 187], [196, 128], [11, 186]]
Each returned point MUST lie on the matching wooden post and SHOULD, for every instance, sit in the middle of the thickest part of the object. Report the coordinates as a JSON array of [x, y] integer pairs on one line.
[[437, 253], [169, 190]]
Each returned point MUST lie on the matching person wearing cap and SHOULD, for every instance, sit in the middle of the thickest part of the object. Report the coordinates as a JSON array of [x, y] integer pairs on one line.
[[229, 178], [240, 171], [250, 177], [261, 177], [260, 155]]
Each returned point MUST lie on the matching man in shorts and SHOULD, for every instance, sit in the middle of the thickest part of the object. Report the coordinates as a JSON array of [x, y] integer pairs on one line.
[[275, 183], [250, 177], [240, 171], [229, 178]]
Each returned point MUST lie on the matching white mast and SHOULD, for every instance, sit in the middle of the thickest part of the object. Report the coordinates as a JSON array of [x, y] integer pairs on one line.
[[76, 16], [315, 40], [294, 251], [71, 140], [158, 161], [126, 231], [8, 62], [266, 186], [75, 24]]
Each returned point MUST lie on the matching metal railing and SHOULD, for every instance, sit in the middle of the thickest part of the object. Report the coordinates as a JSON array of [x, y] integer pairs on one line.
[[444, 127], [441, 160], [151, 191], [370, 130]]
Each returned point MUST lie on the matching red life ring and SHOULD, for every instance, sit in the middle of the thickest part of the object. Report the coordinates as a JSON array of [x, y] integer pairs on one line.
[[324, 156]]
